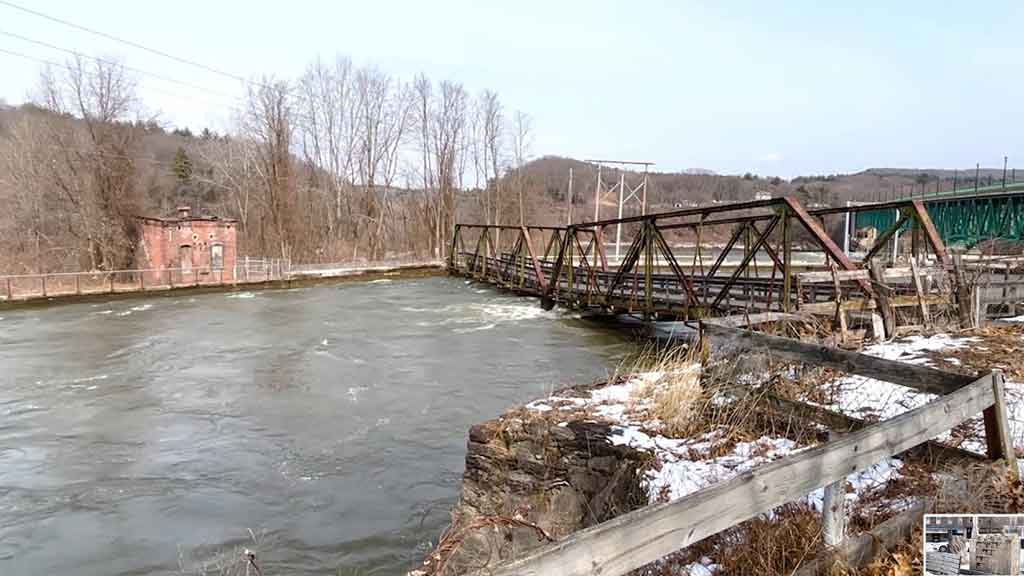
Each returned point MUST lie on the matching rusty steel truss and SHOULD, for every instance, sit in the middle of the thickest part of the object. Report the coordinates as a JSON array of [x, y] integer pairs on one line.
[[569, 266]]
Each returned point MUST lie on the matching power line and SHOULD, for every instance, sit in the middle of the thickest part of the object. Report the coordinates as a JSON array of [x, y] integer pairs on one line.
[[111, 62], [129, 43], [63, 65]]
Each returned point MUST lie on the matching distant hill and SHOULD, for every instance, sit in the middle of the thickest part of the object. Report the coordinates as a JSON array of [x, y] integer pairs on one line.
[[546, 182]]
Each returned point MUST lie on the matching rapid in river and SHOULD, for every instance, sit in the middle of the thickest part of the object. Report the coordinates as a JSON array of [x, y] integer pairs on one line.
[[156, 435]]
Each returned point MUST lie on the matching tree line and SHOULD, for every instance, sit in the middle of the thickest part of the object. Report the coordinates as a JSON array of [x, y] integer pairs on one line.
[[345, 162]]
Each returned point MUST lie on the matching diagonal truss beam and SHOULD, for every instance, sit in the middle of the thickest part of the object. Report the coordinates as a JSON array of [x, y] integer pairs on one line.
[[930, 233], [812, 226], [746, 260], [674, 265]]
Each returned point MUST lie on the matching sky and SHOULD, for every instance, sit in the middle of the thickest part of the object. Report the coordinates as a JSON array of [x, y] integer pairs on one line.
[[765, 87]]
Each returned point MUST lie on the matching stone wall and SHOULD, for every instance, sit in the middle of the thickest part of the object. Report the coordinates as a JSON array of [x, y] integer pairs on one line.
[[529, 470]]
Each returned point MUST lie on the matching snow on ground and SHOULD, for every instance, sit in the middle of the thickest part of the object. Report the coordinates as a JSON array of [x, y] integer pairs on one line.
[[686, 465], [866, 397]]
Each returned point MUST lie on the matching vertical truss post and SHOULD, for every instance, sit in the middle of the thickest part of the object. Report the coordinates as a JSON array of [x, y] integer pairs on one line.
[[915, 241], [787, 259], [648, 269], [571, 271], [541, 282], [747, 291], [618, 226], [599, 243], [451, 249]]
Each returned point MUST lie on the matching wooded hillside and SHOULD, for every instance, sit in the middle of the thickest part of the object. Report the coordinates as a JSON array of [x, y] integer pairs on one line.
[[344, 163]]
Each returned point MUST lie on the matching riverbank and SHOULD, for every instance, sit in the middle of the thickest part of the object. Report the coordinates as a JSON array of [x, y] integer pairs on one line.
[[586, 454], [296, 279]]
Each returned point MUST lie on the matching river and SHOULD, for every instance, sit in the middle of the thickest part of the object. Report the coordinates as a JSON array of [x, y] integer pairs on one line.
[[159, 435]]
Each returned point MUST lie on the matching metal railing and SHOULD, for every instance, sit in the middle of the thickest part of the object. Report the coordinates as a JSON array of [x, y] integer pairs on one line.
[[245, 270], [328, 269]]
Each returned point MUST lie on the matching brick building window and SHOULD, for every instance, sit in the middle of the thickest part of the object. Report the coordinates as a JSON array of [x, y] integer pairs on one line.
[[217, 256]]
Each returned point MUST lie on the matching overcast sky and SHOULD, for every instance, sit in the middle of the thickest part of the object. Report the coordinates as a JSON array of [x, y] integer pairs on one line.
[[804, 87]]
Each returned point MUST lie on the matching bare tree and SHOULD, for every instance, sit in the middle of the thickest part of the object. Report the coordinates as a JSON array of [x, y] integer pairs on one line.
[[93, 157], [310, 169], [449, 120], [522, 140], [328, 130], [492, 133], [268, 122], [384, 114]]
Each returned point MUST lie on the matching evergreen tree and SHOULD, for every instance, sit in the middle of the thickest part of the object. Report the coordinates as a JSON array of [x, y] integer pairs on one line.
[[182, 167]]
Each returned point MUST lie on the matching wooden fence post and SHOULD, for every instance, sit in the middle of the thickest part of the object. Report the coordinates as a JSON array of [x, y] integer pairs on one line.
[[979, 306], [882, 293], [833, 510], [111, 282], [925, 316], [963, 293], [10, 291], [997, 427], [78, 283], [44, 285], [840, 313]]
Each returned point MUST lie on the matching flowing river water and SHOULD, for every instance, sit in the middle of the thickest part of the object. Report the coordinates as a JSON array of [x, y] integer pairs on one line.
[[159, 435]]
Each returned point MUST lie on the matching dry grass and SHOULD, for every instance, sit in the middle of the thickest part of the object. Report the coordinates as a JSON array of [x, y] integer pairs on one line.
[[696, 395], [763, 547], [675, 397]]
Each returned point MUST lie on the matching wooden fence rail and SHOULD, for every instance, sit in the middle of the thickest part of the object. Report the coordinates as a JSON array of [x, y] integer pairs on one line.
[[637, 538]]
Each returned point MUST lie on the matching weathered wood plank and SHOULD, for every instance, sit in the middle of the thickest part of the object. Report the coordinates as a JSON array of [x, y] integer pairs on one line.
[[942, 562], [826, 275], [632, 540], [997, 427], [888, 316], [833, 510], [739, 320], [860, 305], [930, 451], [920, 378], [925, 316], [889, 274]]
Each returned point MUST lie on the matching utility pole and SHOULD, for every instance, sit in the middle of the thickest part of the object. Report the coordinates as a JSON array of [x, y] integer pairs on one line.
[[955, 173], [1004, 172], [977, 171], [636, 194], [568, 201]]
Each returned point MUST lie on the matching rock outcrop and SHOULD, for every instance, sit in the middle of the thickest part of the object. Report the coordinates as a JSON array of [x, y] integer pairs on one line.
[[531, 476]]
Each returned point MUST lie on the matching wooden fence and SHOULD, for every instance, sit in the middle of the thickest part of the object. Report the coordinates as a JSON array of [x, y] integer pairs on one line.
[[637, 538], [905, 298]]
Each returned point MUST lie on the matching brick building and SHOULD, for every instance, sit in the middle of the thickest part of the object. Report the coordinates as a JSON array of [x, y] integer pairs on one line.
[[195, 249]]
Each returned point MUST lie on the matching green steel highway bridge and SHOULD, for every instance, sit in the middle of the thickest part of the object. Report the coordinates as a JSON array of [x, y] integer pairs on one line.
[[963, 217]]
